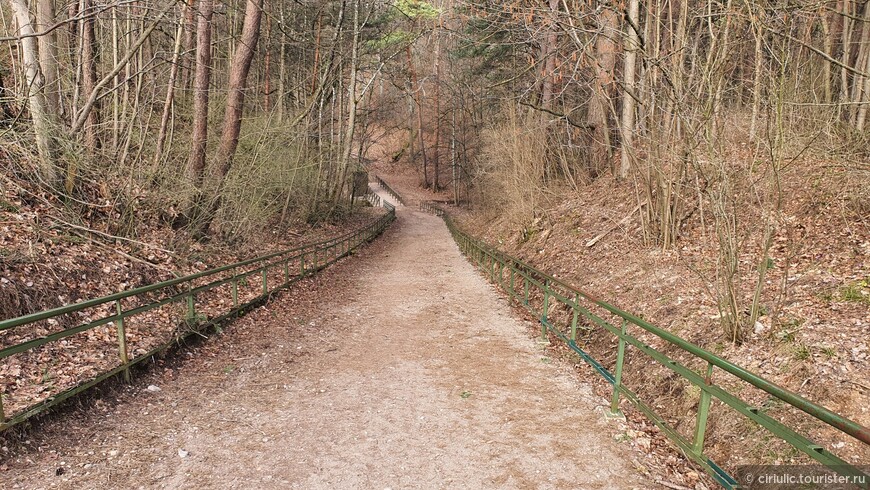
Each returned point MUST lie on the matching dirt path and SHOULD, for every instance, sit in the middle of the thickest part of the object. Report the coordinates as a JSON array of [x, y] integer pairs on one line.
[[402, 368]]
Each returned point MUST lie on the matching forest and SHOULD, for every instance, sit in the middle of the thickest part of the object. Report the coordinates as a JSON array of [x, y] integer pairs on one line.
[[218, 117], [713, 150]]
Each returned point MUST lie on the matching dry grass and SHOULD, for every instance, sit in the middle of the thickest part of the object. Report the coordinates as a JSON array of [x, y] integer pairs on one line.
[[512, 172]]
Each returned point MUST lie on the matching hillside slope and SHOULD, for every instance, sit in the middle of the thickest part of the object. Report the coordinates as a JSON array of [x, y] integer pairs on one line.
[[812, 338]]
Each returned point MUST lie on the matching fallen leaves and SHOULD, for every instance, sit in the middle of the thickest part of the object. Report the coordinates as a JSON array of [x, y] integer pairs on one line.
[[44, 264]]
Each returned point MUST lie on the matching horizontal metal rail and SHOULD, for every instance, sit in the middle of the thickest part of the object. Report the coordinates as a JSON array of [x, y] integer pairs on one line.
[[292, 265], [372, 198], [431, 207], [389, 190], [520, 280]]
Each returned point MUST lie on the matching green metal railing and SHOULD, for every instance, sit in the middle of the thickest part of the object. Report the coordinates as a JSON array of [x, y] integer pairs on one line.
[[431, 207], [521, 281], [287, 266], [386, 187], [372, 198]]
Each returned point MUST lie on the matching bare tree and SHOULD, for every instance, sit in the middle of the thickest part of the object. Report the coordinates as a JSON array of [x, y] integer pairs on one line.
[[606, 48], [202, 78], [352, 101], [170, 96], [190, 29], [627, 125], [89, 85], [48, 55], [436, 155], [239, 69], [39, 111]]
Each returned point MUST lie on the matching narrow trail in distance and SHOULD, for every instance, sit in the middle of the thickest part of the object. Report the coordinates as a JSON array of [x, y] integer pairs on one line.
[[404, 369]]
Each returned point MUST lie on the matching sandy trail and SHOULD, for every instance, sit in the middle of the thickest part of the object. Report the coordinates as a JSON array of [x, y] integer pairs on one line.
[[405, 370]]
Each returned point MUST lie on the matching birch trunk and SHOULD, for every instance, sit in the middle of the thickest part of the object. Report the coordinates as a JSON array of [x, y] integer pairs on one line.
[[627, 126], [45, 18], [34, 90]]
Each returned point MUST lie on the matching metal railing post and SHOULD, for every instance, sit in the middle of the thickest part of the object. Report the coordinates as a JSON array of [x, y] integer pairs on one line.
[[574, 318], [513, 274], [545, 310], [617, 379], [703, 412], [492, 268], [501, 266], [191, 307], [122, 340]]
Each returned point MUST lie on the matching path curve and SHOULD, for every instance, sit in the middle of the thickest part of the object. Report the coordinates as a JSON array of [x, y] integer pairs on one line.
[[409, 371]]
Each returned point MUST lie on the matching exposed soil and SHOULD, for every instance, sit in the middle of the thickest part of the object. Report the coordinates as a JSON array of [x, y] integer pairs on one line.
[[399, 368]]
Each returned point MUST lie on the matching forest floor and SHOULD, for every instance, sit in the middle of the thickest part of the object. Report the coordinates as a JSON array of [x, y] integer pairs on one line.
[[53, 255], [398, 368]]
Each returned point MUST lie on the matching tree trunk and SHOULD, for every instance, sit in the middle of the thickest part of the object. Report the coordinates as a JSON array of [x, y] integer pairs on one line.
[[858, 81], [190, 29], [239, 69], [419, 106], [627, 126], [548, 53], [351, 105], [828, 47], [282, 67], [865, 92], [45, 18], [436, 156], [6, 112], [455, 175], [89, 83], [170, 97], [605, 52], [202, 78], [116, 100], [315, 71], [34, 89], [756, 84], [845, 57], [75, 51], [267, 62]]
